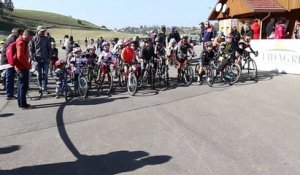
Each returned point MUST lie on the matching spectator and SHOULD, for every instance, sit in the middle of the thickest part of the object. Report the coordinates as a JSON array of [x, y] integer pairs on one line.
[[280, 30], [23, 68], [236, 37], [255, 27], [40, 51], [162, 36], [99, 44], [153, 36], [209, 32], [10, 73], [69, 45], [297, 31], [246, 31], [174, 34], [201, 33], [270, 27]]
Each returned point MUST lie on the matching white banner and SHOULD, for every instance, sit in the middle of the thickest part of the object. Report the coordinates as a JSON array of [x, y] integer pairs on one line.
[[277, 55]]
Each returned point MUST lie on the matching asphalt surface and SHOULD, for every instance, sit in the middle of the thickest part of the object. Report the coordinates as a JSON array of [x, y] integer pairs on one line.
[[248, 128]]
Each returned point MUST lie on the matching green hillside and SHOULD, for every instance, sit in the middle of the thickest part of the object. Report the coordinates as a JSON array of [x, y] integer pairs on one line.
[[30, 19]]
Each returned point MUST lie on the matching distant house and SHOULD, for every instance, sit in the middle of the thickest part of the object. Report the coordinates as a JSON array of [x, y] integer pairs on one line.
[[103, 28]]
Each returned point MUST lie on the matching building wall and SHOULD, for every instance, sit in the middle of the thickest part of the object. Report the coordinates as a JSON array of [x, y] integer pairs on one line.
[[289, 4]]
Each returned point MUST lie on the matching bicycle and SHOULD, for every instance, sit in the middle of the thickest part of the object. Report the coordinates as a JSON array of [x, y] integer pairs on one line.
[[249, 64], [163, 73], [149, 74], [104, 79], [82, 82], [186, 73], [65, 89]]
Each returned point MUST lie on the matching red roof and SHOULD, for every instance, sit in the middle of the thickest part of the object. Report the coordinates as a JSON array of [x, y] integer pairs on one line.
[[264, 5]]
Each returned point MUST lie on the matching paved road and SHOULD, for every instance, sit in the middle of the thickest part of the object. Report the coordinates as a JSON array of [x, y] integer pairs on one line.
[[249, 128]]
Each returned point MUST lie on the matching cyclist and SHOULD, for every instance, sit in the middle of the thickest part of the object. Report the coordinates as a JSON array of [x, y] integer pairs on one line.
[[162, 36], [91, 55], [76, 61], [206, 55], [171, 52], [106, 58], [59, 75], [182, 50], [243, 45], [128, 56], [147, 53]]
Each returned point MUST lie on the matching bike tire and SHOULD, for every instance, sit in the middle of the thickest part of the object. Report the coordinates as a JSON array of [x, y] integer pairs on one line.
[[210, 76], [236, 72], [132, 84], [68, 93], [165, 77], [83, 87], [188, 76], [106, 83], [252, 70]]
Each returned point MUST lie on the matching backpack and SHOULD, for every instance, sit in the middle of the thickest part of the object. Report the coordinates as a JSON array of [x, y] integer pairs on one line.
[[11, 54]]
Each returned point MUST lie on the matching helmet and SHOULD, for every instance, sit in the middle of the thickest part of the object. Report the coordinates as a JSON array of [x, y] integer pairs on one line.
[[163, 27], [76, 49], [57, 63], [91, 48], [105, 44], [147, 40], [173, 28]]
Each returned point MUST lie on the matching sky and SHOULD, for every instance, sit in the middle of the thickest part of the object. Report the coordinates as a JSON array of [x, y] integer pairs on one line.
[[122, 13]]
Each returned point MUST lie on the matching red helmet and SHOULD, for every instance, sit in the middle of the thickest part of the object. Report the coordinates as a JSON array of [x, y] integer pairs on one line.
[[58, 63]]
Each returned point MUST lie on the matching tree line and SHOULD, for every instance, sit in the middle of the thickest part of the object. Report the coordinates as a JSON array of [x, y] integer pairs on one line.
[[6, 6]]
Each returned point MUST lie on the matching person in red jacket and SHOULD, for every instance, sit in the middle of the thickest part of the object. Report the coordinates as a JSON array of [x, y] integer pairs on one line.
[[23, 68], [255, 27], [280, 30]]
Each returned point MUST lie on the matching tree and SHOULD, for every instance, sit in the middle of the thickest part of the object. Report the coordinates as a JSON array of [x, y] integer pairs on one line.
[[9, 5], [1, 8]]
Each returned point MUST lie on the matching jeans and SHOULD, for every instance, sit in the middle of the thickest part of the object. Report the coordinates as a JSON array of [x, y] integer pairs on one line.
[[10, 74], [23, 85], [43, 67]]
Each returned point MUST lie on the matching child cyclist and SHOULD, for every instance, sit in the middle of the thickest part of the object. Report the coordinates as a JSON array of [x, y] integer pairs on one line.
[[106, 58], [206, 55], [128, 56], [76, 61], [59, 74]]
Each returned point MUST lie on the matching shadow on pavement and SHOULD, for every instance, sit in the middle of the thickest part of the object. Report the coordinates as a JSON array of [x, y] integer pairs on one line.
[[9, 149], [6, 115], [107, 164]]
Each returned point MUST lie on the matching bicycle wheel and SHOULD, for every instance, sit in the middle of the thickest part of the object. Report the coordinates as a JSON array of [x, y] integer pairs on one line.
[[68, 93], [83, 87], [233, 73], [132, 84], [252, 69], [90, 78], [106, 83], [164, 79], [122, 77], [152, 78], [188, 75], [196, 70], [210, 76]]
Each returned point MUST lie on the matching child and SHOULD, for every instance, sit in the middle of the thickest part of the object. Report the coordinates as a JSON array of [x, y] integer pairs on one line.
[[54, 57], [206, 55], [106, 57], [76, 61], [59, 75]]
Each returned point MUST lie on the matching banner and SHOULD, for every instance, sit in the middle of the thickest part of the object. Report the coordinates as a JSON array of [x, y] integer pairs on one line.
[[277, 55]]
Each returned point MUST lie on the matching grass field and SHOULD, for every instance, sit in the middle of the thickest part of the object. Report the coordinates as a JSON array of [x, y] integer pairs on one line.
[[79, 34]]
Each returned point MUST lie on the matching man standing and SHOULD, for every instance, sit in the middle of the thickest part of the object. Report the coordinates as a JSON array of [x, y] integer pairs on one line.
[[10, 72], [209, 32], [201, 32], [162, 36], [23, 68], [174, 34], [40, 51]]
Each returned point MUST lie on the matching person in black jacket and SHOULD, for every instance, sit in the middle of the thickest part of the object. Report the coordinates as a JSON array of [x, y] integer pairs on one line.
[[174, 34]]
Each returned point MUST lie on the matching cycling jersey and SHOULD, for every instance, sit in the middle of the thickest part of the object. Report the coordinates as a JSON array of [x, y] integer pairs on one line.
[[128, 54], [206, 56], [182, 51], [106, 57], [147, 53]]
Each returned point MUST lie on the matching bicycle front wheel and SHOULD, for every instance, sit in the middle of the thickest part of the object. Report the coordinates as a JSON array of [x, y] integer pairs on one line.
[[106, 83], [188, 75], [252, 70], [132, 84], [83, 87], [68, 93], [210, 76]]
